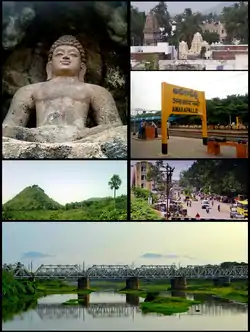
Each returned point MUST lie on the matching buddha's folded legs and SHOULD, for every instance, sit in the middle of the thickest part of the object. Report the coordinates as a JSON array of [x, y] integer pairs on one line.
[[45, 134], [53, 134]]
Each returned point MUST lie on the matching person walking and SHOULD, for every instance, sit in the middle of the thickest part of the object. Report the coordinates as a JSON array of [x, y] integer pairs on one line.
[[219, 207], [156, 131]]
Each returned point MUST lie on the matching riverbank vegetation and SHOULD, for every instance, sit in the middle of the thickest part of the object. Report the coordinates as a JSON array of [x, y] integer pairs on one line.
[[167, 305], [18, 296], [49, 287]]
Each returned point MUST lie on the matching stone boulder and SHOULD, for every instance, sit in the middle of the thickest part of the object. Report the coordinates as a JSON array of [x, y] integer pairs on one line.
[[111, 144]]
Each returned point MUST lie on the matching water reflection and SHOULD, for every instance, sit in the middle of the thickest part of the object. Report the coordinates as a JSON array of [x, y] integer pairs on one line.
[[112, 311], [127, 309]]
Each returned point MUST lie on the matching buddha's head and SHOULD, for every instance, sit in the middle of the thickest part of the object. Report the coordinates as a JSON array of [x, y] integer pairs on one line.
[[66, 58]]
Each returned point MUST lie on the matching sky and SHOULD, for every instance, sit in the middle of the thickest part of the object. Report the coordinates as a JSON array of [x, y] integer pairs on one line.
[[146, 85], [64, 181], [138, 243], [180, 165], [177, 7]]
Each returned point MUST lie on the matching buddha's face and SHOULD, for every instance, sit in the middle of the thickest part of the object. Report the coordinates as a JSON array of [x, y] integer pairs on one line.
[[66, 61]]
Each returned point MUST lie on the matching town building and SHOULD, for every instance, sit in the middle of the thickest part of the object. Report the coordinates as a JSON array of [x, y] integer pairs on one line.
[[216, 27], [139, 175]]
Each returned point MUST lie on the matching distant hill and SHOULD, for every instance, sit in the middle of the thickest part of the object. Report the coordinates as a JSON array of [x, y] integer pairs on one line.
[[96, 199], [218, 8], [32, 198]]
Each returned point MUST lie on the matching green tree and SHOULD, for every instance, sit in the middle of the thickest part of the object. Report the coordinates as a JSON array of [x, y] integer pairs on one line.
[[211, 37], [163, 19], [187, 25], [221, 177], [137, 23], [235, 19], [115, 183]]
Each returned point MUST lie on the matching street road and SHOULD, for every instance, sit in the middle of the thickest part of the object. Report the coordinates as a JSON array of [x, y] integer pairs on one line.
[[224, 214]]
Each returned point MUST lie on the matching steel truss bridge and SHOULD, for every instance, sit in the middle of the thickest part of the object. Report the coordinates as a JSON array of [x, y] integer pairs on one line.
[[102, 310], [122, 272]]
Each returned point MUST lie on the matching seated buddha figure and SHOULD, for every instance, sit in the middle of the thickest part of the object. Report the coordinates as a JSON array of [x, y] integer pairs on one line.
[[61, 103]]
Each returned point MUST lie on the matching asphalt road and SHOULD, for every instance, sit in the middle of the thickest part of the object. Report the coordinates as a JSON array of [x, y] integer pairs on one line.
[[195, 208]]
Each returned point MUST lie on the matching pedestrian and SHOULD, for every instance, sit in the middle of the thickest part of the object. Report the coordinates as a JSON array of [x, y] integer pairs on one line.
[[219, 207], [140, 130], [155, 127], [143, 129]]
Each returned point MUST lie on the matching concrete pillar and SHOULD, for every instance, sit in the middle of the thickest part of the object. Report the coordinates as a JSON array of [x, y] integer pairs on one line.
[[84, 299], [132, 283], [132, 299], [222, 282], [83, 283], [178, 283], [178, 293]]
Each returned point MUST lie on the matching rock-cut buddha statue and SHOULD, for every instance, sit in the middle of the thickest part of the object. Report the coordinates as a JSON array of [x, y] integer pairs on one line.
[[62, 105]]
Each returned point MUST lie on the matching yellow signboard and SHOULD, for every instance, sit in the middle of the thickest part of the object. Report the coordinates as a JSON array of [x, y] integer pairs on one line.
[[178, 100]]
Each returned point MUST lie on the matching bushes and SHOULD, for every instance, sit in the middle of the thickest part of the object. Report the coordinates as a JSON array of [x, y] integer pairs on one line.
[[140, 210], [101, 209]]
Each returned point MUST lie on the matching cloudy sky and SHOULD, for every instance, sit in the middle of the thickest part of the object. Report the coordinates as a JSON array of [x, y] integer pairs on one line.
[[180, 165], [177, 7], [64, 181], [185, 243], [146, 85]]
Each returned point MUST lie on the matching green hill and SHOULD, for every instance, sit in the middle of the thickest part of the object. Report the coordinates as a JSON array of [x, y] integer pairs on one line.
[[33, 204], [31, 198]]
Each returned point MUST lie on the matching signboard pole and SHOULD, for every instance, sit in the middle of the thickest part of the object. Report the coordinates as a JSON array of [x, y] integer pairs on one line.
[[164, 119], [204, 121]]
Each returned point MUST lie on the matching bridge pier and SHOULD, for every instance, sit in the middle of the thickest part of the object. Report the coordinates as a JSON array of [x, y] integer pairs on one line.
[[222, 281], [132, 299], [83, 283], [178, 293], [84, 299], [178, 283], [132, 283]]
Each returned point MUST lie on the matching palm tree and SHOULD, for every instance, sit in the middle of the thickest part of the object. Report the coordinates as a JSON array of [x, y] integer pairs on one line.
[[115, 183]]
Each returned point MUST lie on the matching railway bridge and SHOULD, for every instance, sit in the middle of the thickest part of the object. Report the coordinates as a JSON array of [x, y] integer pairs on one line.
[[177, 275]]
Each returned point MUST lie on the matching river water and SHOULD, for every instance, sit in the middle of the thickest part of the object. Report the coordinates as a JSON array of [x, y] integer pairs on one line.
[[110, 311]]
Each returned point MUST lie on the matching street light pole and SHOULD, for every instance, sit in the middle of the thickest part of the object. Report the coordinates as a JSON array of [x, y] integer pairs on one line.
[[168, 170]]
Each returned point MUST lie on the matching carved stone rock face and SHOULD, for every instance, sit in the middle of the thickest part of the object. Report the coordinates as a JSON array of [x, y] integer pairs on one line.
[[68, 102]]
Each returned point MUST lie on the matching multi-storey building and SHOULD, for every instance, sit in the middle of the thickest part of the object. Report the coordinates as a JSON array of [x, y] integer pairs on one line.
[[217, 27], [139, 175]]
